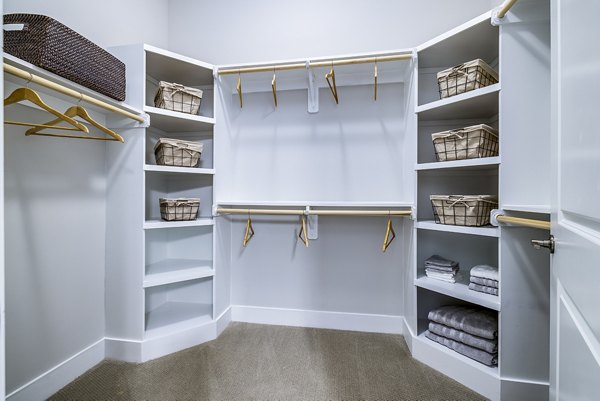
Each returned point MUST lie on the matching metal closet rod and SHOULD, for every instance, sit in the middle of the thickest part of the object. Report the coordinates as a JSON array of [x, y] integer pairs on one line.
[[544, 225], [504, 7], [17, 72], [303, 212], [316, 64]]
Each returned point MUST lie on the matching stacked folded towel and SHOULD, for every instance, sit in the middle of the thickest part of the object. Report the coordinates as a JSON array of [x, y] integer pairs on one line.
[[470, 331], [441, 268], [484, 279]]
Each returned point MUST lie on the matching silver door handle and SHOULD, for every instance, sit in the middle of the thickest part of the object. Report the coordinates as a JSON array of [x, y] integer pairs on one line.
[[548, 243]]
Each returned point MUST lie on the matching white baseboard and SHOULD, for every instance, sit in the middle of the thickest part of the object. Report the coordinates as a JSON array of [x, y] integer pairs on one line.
[[318, 319], [153, 348], [223, 320], [59, 376], [123, 350]]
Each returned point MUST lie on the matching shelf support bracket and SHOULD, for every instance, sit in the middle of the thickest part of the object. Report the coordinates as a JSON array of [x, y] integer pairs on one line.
[[313, 90]]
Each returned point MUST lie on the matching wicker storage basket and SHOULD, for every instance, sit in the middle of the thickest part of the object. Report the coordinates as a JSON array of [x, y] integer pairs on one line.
[[463, 210], [176, 97], [175, 152], [48, 44], [180, 209], [471, 142], [465, 77]]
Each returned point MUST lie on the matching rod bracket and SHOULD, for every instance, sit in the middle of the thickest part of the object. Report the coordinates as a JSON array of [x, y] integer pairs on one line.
[[313, 90], [494, 216]]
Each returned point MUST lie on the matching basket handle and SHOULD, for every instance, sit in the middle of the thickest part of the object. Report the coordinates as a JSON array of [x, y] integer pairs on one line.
[[456, 70], [15, 26]]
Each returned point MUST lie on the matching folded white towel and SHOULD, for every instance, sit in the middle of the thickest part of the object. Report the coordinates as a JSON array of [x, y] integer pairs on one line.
[[447, 277], [485, 271]]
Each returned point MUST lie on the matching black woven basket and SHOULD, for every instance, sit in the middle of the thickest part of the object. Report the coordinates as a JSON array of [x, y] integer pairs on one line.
[[52, 46]]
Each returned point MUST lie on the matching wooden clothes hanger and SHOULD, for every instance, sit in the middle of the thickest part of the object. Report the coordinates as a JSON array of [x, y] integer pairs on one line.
[[274, 87], [22, 94], [375, 83], [303, 235], [387, 240], [238, 88], [249, 232], [77, 111], [330, 77]]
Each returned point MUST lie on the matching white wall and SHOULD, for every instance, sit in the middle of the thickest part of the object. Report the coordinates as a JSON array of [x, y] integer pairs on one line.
[[237, 31], [105, 22], [55, 221]]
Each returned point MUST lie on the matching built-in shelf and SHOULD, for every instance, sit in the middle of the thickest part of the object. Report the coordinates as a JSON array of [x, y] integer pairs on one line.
[[487, 231], [541, 209], [444, 352], [317, 204], [469, 164], [168, 66], [154, 224], [459, 290], [24, 65], [182, 170], [173, 121], [176, 316], [176, 270], [479, 103]]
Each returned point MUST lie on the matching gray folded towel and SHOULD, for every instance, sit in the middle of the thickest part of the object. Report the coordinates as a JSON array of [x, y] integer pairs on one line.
[[441, 263], [480, 322], [483, 288], [490, 346], [484, 281], [480, 356]]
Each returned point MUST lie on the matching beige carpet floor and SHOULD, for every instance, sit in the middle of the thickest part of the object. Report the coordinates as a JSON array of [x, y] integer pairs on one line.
[[259, 362]]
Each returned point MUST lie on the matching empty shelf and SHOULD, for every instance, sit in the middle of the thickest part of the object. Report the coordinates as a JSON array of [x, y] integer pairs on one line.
[[175, 316], [176, 270]]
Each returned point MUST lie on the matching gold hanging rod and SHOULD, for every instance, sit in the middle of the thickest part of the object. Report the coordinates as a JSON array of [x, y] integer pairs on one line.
[[302, 212], [504, 7], [17, 72], [315, 64], [544, 225]]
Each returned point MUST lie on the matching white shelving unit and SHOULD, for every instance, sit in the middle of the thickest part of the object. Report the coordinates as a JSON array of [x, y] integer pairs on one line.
[[522, 305], [174, 278]]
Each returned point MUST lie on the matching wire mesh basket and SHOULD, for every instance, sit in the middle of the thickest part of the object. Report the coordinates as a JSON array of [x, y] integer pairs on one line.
[[175, 152], [176, 97], [471, 142], [463, 210], [181, 209], [465, 77]]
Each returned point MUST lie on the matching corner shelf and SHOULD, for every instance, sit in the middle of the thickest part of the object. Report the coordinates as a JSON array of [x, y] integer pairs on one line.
[[176, 316], [176, 270], [460, 291], [180, 170], [155, 224], [469, 164], [478, 103], [173, 121]]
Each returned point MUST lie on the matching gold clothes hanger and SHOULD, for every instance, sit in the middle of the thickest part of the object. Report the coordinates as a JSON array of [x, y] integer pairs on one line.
[[249, 233], [387, 240], [303, 235], [330, 77], [78, 111]]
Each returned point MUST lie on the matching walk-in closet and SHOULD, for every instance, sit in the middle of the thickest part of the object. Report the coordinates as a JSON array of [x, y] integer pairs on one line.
[[299, 200]]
